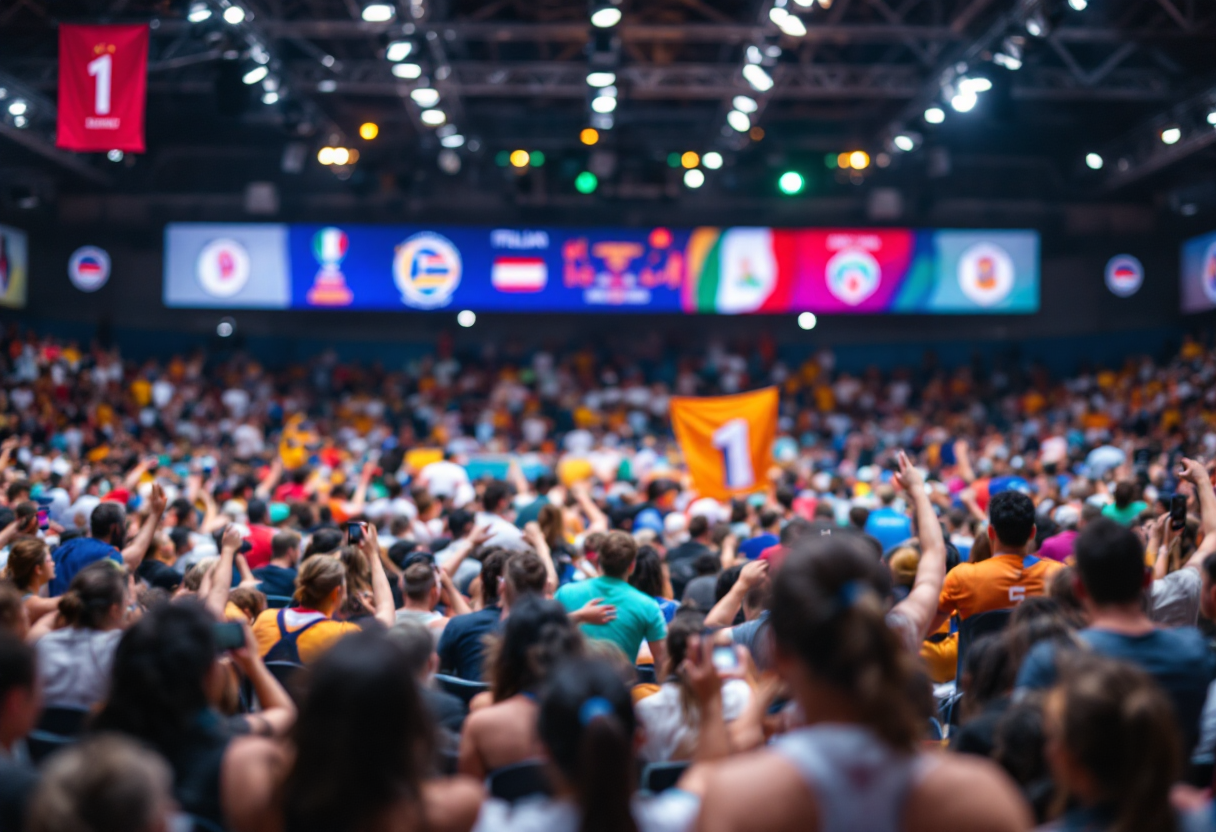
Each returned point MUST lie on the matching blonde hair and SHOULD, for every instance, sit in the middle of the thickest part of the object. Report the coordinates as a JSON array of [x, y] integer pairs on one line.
[[319, 576]]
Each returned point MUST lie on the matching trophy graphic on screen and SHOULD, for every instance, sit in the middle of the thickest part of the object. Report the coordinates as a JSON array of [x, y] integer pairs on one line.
[[329, 246]]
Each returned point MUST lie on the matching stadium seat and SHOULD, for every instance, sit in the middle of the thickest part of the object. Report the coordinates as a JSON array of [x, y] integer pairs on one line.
[[659, 777], [277, 602], [980, 624], [461, 688], [512, 783]]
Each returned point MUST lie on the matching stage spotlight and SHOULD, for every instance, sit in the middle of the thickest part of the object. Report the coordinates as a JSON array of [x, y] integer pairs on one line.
[[1169, 135], [399, 50], [341, 156], [18, 107], [859, 160], [589, 136], [407, 71], [1094, 161], [694, 178], [603, 103], [586, 182], [466, 318], [964, 102], [198, 12], [234, 15], [378, 12], [689, 159], [601, 79], [226, 327], [21, 122], [369, 130], [328, 85], [270, 97], [449, 161], [935, 115], [325, 155], [791, 183], [425, 97], [602, 121], [975, 84], [536, 158], [1212, 118], [807, 320], [738, 121], [712, 160], [115, 155], [453, 140], [1078, 5], [793, 26], [433, 118], [745, 104], [755, 75], [605, 16], [904, 142], [520, 158], [254, 75]]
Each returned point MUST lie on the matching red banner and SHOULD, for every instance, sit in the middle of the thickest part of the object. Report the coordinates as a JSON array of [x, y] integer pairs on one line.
[[103, 86]]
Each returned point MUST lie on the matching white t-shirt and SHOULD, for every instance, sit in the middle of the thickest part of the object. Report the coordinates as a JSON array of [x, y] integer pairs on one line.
[[442, 478], [671, 811], [74, 664], [667, 728]]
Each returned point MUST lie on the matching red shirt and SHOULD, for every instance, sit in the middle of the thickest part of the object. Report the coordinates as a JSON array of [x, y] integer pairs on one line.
[[259, 538]]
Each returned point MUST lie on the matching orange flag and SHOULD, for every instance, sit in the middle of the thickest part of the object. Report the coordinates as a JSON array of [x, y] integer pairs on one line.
[[727, 440]]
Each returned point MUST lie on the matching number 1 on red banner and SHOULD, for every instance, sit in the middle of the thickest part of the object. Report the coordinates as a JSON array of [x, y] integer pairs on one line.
[[102, 69]]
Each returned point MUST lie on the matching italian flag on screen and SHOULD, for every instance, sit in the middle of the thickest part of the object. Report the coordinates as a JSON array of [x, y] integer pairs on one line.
[[739, 270]]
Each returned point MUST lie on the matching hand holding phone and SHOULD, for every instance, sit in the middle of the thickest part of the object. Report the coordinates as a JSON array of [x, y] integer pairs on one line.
[[354, 533], [229, 635], [1178, 512]]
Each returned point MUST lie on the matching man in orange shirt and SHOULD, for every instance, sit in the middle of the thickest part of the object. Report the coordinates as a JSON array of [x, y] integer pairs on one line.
[[1010, 575]]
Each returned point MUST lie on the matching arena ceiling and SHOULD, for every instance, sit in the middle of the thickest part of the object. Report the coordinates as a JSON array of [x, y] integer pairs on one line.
[[1065, 82]]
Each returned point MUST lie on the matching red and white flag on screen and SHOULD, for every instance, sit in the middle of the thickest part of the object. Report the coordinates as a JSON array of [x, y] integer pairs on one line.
[[103, 86], [519, 274]]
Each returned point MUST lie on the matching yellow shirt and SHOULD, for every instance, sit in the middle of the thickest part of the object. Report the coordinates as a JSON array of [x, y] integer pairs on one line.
[[311, 643]]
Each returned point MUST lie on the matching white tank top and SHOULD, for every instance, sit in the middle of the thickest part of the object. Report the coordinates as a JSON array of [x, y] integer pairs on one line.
[[860, 783]]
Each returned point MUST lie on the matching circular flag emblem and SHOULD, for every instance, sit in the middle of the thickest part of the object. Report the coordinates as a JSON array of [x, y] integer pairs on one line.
[[853, 275], [985, 274], [223, 268], [89, 268], [1124, 275], [426, 269], [329, 246], [1209, 273]]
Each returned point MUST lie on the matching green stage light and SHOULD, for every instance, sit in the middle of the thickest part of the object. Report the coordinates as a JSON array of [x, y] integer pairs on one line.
[[586, 182], [791, 182], [536, 158]]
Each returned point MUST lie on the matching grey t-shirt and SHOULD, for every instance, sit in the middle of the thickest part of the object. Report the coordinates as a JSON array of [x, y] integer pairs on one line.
[[74, 664], [1175, 599]]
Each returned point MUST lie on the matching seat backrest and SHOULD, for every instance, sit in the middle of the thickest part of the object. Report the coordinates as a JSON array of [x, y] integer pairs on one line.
[[278, 601], [464, 689], [515, 782], [980, 624], [659, 777]]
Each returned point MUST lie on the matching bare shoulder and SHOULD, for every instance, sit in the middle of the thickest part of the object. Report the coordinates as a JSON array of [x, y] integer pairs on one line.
[[962, 791], [758, 792], [252, 769], [452, 803]]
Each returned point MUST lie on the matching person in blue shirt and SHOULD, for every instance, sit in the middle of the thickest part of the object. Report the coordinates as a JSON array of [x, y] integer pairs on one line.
[[887, 524], [108, 530], [770, 527], [1111, 577], [462, 645], [638, 617], [279, 576]]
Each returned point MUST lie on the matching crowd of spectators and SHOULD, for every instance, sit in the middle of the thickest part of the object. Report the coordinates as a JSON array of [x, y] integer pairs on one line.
[[484, 593]]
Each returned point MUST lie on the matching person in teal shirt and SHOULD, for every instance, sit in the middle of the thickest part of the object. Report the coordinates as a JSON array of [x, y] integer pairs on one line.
[[638, 617], [1126, 508]]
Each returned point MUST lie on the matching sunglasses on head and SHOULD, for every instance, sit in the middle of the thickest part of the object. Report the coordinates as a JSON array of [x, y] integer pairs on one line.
[[417, 557]]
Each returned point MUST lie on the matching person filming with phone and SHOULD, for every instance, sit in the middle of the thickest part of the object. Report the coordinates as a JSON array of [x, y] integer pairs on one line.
[[303, 632]]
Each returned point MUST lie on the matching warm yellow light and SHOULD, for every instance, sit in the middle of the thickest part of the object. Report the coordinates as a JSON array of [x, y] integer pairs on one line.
[[369, 131], [589, 136], [690, 159], [859, 159], [354, 156], [844, 160], [341, 155], [519, 158], [325, 155]]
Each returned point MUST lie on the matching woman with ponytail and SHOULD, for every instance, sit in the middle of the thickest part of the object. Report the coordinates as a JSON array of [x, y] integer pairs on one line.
[[1113, 748], [589, 732], [31, 567], [855, 765], [74, 661]]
